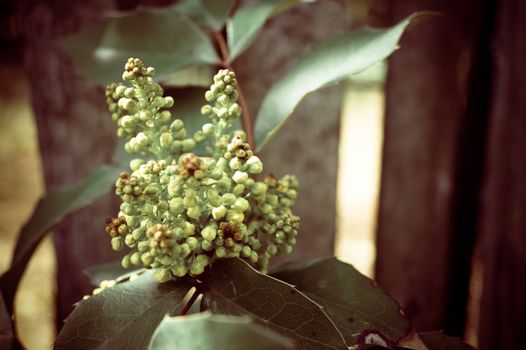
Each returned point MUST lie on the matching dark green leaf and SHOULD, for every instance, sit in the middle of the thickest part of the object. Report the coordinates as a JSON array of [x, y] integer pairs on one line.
[[244, 26], [330, 62], [121, 317], [166, 40], [440, 341], [208, 13], [49, 211], [215, 331], [248, 21], [235, 288], [109, 271], [357, 306]]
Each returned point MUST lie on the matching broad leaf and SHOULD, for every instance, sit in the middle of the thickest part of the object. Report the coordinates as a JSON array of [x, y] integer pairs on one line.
[[49, 211], [213, 331], [248, 21], [440, 341], [360, 309], [208, 13], [328, 63], [235, 288], [108, 271], [166, 40], [121, 317]]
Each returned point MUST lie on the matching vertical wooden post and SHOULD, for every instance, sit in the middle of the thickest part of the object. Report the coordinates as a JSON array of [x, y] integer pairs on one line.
[[503, 225], [425, 108]]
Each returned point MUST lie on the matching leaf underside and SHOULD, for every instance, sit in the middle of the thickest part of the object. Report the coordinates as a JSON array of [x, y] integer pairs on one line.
[[214, 331]]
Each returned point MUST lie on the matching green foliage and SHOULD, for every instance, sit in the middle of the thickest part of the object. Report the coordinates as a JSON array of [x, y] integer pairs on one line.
[[234, 288], [321, 304], [214, 331], [49, 211], [153, 35], [121, 317], [334, 60], [349, 298]]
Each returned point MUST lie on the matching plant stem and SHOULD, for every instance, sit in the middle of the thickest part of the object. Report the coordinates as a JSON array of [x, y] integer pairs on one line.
[[246, 119], [190, 302]]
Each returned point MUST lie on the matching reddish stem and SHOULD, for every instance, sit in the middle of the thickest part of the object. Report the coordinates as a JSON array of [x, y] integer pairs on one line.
[[190, 302]]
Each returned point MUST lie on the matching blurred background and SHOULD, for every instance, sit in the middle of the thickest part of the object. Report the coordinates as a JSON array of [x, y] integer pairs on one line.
[[414, 174]]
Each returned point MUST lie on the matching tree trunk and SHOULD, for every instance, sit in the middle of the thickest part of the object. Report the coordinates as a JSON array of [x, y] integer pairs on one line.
[[75, 135], [425, 112], [503, 224]]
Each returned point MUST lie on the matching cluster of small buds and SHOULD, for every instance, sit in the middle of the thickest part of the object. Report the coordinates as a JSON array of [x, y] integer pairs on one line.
[[222, 97], [181, 211], [143, 117]]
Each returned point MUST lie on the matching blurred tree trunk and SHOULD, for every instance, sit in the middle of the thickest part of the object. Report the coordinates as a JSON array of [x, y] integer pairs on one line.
[[503, 224], [425, 114], [308, 144], [75, 135]]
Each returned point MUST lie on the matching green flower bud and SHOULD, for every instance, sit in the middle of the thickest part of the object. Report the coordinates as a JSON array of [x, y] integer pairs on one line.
[[190, 199], [228, 199], [192, 242], [240, 177], [206, 109], [136, 163], [238, 190], [235, 163], [240, 205], [209, 233], [125, 262], [209, 96], [207, 245], [188, 229], [255, 166], [220, 252], [219, 212], [199, 136], [166, 140], [135, 258], [179, 270], [177, 125], [168, 102], [129, 241], [162, 275], [143, 246], [188, 145], [208, 128], [176, 206], [116, 243], [246, 251], [259, 188], [235, 216], [193, 212], [146, 258], [185, 250]]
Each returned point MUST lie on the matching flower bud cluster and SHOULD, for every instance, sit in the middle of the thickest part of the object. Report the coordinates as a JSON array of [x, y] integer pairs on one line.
[[181, 211], [142, 114]]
